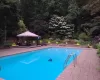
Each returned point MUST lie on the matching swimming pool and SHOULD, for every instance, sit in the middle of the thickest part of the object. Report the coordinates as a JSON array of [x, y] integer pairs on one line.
[[34, 65]]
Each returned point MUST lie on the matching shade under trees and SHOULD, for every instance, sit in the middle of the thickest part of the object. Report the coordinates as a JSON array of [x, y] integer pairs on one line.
[[37, 16]]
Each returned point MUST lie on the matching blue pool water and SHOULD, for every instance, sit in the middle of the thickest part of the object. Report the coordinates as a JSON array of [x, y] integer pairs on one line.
[[34, 65]]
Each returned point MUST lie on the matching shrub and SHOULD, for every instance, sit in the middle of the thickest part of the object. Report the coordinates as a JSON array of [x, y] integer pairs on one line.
[[82, 42], [99, 55], [7, 44], [96, 46], [98, 52], [84, 37], [98, 49]]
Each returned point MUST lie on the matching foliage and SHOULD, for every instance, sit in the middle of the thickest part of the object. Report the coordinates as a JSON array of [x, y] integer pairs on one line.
[[98, 51], [39, 27], [82, 42], [8, 18], [73, 11], [83, 36], [75, 35], [86, 28], [99, 55], [96, 40], [22, 26], [95, 30], [95, 46], [98, 46], [58, 27], [51, 18], [7, 44]]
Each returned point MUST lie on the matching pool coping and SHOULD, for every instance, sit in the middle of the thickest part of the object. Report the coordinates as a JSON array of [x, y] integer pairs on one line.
[[23, 52], [39, 49]]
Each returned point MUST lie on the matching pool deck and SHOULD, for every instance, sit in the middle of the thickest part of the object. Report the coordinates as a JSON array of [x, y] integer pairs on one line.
[[12, 51], [87, 67]]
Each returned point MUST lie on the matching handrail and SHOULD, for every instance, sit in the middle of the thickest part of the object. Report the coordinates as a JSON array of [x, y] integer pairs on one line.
[[67, 59], [75, 59]]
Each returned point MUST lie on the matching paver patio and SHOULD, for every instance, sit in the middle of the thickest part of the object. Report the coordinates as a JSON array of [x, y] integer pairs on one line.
[[85, 69]]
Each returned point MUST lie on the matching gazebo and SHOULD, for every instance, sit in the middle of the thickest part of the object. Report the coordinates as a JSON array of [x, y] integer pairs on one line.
[[26, 35]]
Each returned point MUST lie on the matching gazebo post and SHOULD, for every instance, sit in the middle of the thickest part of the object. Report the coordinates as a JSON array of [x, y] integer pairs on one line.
[[37, 42]]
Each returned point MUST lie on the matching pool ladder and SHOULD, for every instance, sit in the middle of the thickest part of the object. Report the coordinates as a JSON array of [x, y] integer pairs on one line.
[[68, 58]]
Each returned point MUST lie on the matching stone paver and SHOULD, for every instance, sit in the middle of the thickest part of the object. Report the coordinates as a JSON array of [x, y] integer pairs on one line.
[[85, 69]]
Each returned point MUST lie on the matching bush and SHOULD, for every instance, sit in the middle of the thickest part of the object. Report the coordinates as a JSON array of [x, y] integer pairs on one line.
[[96, 46], [84, 37], [99, 55], [98, 52], [82, 42], [7, 44]]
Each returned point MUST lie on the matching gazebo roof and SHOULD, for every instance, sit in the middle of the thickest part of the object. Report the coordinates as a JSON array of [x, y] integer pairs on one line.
[[27, 34]]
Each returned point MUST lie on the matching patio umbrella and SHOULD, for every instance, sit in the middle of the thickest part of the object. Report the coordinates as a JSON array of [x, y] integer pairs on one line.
[[27, 34]]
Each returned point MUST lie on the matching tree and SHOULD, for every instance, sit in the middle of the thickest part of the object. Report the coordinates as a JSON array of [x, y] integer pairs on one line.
[[40, 27], [36, 10], [8, 17], [22, 26], [73, 11], [58, 27]]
